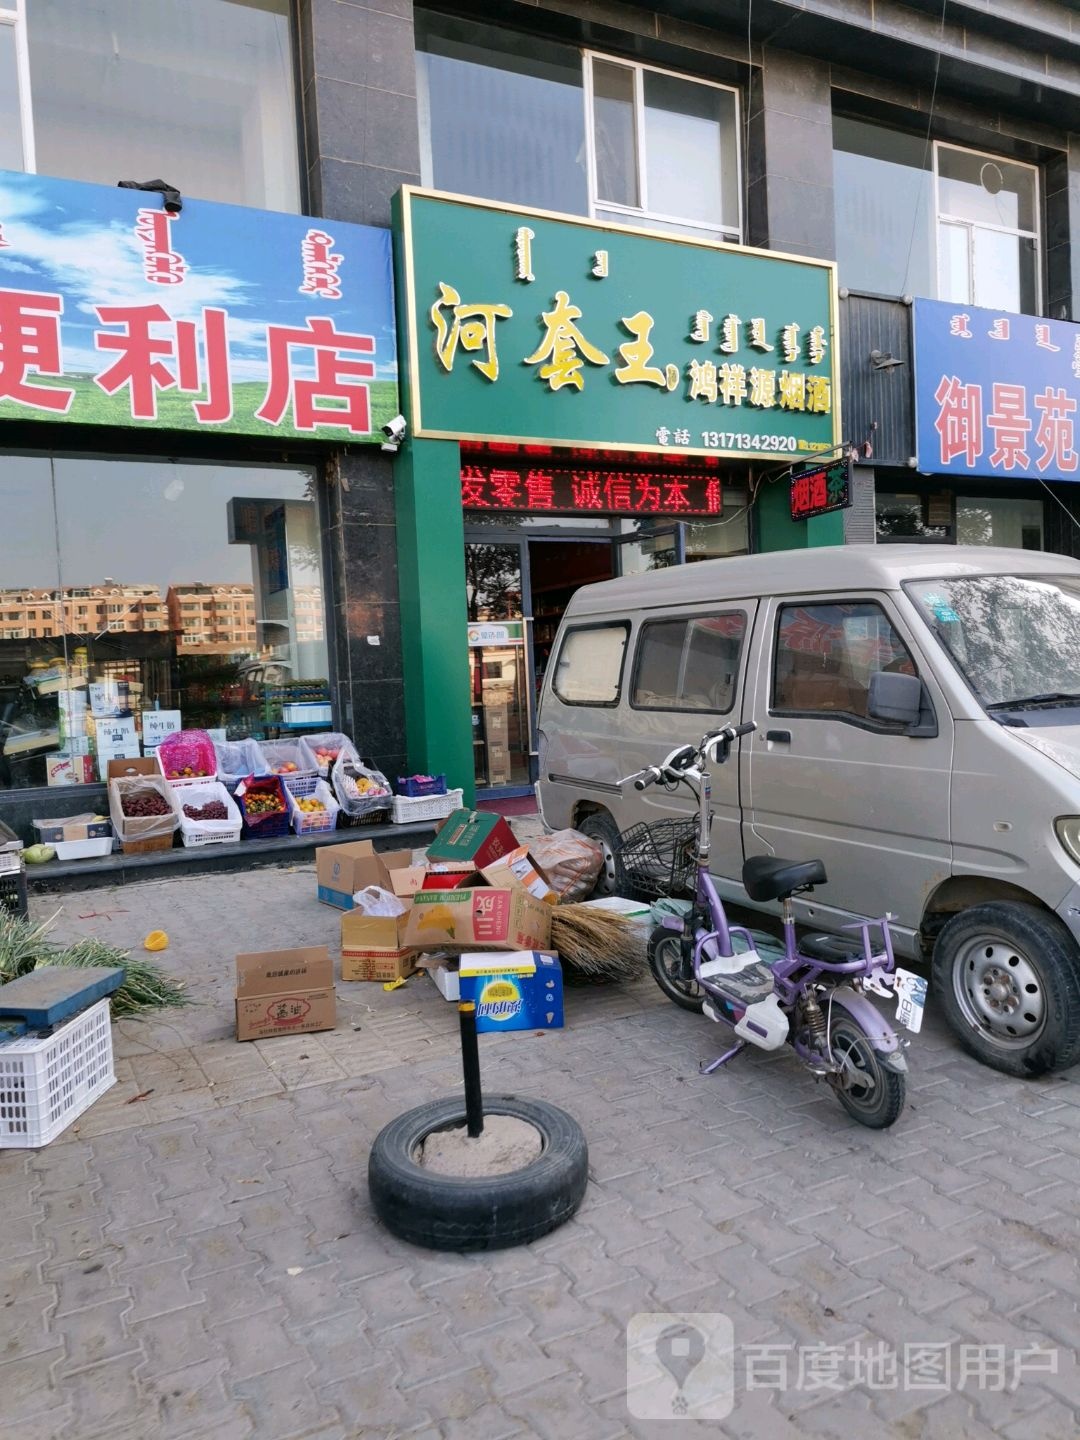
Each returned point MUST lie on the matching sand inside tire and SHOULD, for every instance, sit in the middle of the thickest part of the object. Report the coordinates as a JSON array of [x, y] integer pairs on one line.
[[506, 1144]]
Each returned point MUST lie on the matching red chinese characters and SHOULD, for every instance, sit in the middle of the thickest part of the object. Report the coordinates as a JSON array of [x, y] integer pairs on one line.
[[146, 339], [30, 344], [809, 495], [959, 420], [1011, 425], [337, 395], [1055, 435], [588, 492]]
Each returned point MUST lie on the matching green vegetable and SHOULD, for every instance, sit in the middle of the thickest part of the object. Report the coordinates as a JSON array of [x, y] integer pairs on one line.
[[38, 854], [24, 946]]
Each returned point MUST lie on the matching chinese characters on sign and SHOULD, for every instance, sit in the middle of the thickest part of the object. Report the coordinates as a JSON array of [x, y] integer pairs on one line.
[[588, 492], [564, 332], [996, 394], [817, 491], [116, 313]]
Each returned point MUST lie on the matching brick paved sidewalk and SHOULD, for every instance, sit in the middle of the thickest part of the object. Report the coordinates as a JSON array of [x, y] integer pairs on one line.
[[202, 1262]]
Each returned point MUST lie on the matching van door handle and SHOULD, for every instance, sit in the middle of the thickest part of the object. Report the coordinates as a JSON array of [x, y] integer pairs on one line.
[[780, 737]]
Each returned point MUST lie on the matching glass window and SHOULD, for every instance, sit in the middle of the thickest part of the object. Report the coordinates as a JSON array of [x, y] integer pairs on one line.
[[913, 517], [1015, 524], [987, 231], [501, 115], [163, 538], [1014, 638], [200, 94], [589, 667], [11, 138], [883, 193], [615, 133], [825, 655], [690, 663]]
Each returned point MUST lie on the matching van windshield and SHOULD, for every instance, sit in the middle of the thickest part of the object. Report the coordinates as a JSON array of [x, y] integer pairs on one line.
[[1014, 638]]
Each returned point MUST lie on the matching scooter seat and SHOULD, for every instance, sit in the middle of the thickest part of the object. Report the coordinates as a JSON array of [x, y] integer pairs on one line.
[[767, 877]]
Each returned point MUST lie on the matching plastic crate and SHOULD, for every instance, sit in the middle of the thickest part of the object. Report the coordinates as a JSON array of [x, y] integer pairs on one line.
[[370, 817], [305, 823], [196, 833], [264, 827], [13, 885], [427, 807], [413, 786], [45, 1084]]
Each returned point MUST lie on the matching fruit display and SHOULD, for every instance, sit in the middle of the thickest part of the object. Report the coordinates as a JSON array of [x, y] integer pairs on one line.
[[362, 787], [144, 804], [326, 757], [310, 805], [212, 810], [190, 772], [288, 769], [263, 802]]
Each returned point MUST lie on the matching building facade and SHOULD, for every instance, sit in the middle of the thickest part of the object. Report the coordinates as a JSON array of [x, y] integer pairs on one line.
[[918, 152]]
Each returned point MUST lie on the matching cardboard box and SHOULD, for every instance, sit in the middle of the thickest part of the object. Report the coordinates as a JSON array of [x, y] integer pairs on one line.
[[140, 834], [372, 932], [472, 837], [64, 768], [477, 919], [498, 765], [284, 992], [53, 832], [452, 877], [443, 969], [382, 965], [519, 868], [406, 881], [341, 870], [518, 991], [497, 724]]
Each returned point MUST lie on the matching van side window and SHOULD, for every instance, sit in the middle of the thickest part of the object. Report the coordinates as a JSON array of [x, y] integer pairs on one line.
[[589, 668], [689, 664], [825, 655]]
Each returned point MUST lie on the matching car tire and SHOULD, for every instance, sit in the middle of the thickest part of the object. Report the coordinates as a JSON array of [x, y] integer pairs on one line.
[[599, 826], [447, 1212], [1007, 977]]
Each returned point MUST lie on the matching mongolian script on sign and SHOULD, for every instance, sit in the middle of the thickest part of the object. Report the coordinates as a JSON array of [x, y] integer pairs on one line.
[[588, 492], [320, 265], [162, 265]]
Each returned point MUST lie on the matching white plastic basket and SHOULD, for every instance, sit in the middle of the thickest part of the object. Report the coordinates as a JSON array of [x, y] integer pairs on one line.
[[207, 832], [426, 807], [305, 823], [46, 1084]]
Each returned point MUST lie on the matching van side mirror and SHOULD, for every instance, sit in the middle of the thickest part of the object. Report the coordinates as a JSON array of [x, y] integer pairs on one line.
[[895, 697]]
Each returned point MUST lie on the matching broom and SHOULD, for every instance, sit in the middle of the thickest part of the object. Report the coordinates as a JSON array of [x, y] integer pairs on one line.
[[596, 945]]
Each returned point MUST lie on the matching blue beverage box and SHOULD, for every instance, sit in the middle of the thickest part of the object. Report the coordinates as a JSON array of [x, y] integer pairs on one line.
[[513, 990]]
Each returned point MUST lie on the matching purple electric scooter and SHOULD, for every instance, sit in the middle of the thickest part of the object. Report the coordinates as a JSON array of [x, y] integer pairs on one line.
[[814, 997]]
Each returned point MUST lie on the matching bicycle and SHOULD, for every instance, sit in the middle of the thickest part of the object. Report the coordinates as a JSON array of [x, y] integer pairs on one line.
[[814, 997]]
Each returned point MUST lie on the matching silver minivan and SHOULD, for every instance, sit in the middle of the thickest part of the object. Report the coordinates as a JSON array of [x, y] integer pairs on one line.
[[918, 714]]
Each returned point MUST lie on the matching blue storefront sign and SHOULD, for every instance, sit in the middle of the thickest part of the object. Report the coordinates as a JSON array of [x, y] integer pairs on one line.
[[995, 394], [114, 311]]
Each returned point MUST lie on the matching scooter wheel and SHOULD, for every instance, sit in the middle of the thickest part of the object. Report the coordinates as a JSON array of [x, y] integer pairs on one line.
[[869, 1091], [665, 962]]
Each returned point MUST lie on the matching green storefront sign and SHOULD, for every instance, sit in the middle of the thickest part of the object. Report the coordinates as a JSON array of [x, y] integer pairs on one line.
[[536, 328]]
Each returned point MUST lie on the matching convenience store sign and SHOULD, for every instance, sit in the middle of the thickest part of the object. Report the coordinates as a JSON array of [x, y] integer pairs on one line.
[[536, 328], [115, 311]]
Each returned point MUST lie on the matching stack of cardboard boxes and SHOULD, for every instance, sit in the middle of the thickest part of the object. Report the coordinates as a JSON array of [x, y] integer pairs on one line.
[[497, 735]]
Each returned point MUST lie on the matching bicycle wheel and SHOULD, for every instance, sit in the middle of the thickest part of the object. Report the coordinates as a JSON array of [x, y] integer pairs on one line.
[[665, 962], [869, 1091]]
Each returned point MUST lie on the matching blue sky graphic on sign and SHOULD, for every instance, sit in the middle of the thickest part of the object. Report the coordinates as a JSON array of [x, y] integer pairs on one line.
[[221, 318], [996, 394]]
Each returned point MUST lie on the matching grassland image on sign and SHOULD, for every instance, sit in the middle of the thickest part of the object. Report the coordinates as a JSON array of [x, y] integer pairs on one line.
[[113, 311], [530, 327]]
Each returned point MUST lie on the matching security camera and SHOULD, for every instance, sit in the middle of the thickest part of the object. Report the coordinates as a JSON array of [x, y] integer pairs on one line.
[[395, 431]]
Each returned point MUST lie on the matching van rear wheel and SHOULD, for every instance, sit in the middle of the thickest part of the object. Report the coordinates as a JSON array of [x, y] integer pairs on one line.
[[599, 826], [1007, 976]]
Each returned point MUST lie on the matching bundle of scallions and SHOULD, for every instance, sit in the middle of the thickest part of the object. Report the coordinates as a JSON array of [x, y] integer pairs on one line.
[[25, 945]]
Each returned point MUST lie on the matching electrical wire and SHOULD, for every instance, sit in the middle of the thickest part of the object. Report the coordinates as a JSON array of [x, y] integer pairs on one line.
[[928, 140]]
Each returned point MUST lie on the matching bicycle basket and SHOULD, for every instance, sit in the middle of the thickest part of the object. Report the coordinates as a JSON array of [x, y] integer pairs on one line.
[[659, 858]]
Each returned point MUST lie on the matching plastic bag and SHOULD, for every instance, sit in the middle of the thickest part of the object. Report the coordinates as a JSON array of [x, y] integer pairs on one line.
[[374, 901], [359, 788], [320, 751], [571, 861], [135, 789], [188, 755], [286, 757], [236, 759]]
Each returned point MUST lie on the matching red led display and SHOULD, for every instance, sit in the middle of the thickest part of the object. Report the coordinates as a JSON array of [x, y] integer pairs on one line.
[[556, 491]]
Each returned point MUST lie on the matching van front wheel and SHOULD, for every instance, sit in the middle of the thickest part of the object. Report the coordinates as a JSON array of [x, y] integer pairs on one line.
[[600, 827], [1007, 977]]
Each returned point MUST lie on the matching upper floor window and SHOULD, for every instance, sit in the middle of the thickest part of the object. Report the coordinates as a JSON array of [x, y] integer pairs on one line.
[[526, 121], [934, 220], [200, 94]]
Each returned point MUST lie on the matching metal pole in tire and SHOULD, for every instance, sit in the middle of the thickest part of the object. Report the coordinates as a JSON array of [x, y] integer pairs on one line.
[[470, 1065]]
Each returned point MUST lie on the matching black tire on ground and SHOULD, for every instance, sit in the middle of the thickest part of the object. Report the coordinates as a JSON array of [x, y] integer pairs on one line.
[[878, 1102], [665, 959], [444, 1212], [1007, 977], [599, 826]]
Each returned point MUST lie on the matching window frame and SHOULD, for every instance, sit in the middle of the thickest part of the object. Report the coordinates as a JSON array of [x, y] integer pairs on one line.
[[943, 217], [844, 717], [13, 14], [553, 667], [628, 214], [688, 620]]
